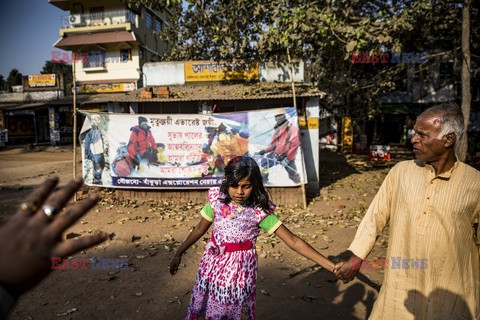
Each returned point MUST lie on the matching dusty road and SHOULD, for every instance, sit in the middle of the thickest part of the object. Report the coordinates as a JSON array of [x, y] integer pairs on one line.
[[147, 232]]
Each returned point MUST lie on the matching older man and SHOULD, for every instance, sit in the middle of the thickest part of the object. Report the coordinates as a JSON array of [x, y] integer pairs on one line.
[[432, 205]]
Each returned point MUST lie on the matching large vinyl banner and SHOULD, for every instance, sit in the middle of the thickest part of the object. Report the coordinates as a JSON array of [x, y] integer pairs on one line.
[[190, 151]]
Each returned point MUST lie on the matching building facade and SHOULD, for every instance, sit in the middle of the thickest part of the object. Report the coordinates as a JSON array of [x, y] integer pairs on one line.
[[424, 85], [109, 42]]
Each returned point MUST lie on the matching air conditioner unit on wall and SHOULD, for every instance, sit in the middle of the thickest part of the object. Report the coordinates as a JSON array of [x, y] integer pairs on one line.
[[75, 19]]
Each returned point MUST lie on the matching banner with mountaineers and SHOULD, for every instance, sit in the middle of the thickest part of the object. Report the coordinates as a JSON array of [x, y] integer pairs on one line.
[[189, 151]]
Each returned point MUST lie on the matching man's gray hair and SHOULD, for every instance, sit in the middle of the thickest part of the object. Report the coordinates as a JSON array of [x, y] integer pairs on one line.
[[450, 117]]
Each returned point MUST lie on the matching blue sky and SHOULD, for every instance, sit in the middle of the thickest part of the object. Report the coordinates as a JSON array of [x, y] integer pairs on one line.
[[29, 30]]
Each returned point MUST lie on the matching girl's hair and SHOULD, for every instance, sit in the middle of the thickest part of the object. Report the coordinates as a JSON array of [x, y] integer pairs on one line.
[[245, 167]]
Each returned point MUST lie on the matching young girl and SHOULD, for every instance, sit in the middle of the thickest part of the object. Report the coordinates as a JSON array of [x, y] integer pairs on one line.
[[226, 280]]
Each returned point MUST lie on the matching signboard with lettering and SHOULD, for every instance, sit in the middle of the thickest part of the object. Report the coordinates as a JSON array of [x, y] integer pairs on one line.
[[311, 123], [189, 150], [106, 87], [42, 80], [196, 71]]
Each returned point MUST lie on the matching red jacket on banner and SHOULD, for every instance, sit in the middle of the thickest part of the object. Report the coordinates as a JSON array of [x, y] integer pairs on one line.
[[141, 141], [285, 141], [190, 151]]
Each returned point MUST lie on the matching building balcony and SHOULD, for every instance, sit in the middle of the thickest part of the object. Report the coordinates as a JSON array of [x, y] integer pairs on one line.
[[72, 42], [98, 19]]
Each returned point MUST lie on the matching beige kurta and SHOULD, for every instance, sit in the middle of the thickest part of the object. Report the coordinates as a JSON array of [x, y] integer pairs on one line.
[[430, 217]]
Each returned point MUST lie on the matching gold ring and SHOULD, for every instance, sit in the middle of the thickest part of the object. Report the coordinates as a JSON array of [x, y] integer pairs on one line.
[[29, 207]]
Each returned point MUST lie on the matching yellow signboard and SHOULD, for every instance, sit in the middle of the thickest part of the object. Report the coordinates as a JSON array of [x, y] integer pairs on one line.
[[196, 71], [347, 141], [106, 87], [311, 123], [42, 80], [302, 124]]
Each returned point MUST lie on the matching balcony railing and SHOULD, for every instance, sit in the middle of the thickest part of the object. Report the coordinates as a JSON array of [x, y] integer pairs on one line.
[[98, 19]]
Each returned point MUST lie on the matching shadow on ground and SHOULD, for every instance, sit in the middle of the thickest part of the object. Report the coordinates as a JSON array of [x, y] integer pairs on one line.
[[145, 290]]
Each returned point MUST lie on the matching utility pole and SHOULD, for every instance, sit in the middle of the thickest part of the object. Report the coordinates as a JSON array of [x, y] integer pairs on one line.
[[74, 62], [304, 191], [466, 66]]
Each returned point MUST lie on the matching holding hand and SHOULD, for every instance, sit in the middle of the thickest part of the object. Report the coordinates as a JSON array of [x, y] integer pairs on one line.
[[34, 235], [347, 271]]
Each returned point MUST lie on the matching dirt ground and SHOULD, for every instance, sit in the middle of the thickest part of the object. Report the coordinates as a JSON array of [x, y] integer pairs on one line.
[[146, 233]]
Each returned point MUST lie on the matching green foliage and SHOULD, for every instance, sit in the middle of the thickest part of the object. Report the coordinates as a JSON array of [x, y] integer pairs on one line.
[[323, 33], [59, 68], [2, 83], [217, 30], [14, 79]]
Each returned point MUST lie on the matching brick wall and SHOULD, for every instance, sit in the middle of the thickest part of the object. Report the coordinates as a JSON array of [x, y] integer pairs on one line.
[[281, 196]]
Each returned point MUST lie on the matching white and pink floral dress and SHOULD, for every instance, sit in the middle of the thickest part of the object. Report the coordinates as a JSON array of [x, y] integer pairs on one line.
[[226, 282]]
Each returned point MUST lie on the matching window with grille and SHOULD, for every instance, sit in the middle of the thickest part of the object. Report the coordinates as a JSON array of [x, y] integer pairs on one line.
[[148, 20], [95, 59]]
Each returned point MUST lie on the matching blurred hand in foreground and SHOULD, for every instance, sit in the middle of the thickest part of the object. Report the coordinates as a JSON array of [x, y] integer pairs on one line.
[[34, 234]]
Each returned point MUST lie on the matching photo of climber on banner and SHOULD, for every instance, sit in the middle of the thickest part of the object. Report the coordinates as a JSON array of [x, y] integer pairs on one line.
[[282, 152], [226, 141], [96, 150], [189, 151], [142, 147]]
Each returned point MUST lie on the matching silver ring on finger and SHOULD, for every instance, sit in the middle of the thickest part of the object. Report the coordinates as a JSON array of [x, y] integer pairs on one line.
[[50, 211]]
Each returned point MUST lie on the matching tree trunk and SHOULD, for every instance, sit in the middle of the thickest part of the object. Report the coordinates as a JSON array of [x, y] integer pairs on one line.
[[466, 93]]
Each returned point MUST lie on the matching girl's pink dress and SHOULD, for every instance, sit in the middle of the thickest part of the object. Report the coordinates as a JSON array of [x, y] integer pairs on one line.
[[226, 283]]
